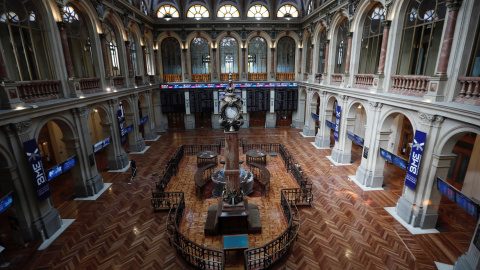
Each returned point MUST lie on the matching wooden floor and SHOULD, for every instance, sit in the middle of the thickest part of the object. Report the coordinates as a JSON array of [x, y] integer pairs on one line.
[[346, 228]]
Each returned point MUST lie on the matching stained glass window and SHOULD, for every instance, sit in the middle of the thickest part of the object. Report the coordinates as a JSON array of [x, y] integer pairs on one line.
[[228, 11], [258, 11], [198, 11], [287, 11], [167, 10]]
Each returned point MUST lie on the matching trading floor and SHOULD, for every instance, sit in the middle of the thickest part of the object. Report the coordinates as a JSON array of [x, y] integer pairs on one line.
[[346, 227]]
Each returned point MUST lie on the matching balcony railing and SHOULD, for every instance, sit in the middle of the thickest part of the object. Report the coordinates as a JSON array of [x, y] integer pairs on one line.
[[409, 85], [257, 76], [119, 82], [138, 80], [90, 85], [470, 87], [172, 77], [151, 78], [201, 77], [290, 76], [336, 79], [224, 77], [364, 81], [37, 91]]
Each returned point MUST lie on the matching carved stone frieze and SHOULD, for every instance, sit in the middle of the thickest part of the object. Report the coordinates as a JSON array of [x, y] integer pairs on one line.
[[134, 96], [79, 111], [373, 104], [430, 118], [23, 126]]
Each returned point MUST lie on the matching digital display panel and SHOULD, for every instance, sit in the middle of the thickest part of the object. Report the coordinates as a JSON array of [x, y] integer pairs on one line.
[[330, 124], [386, 155], [128, 129], [107, 141], [399, 162], [359, 140], [97, 146], [446, 189], [69, 163], [224, 85], [143, 120], [54, 172], [350, 135], [467, 204], [6, 202]]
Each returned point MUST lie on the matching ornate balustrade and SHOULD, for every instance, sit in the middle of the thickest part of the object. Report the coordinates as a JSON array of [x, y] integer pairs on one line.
[[290, 76], [224, 77], [363, 81], [138, 80], [90, 85], [470, 92], [119, 82], [337, 79], [37, 91], [172, 77], [257, 76], [200, 77], [266, 255], [193, 253], [409, 85], [151, 78]]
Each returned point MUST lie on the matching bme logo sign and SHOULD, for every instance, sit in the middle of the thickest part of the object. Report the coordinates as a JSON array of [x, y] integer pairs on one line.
[[36, 166]]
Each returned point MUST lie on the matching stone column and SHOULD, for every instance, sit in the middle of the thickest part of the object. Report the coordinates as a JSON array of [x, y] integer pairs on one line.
[[300, 60], [340, 152], [453, 7], [66, 50], [119, 160], [214, 64], [383, 52], [129, 59], [136, 141], [185, 72], [272, 65], [327, 50], [322, 138], [144, 56], [470, 260], [349, 52], [155, 52], [3, 69], [106, 63], [311, 58], [244, 52]]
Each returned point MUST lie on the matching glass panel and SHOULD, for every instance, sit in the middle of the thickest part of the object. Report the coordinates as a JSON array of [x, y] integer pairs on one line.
[[421, 37], [321, 53], [258, 11], [200, 53], [287, 11], [371, 43], [286, 55], [341, 47], [167, 10], [171, 56], [228, 11], [133, 53], [229, 55], [111, 41], [474, 70], [198, 11], [257, 55]]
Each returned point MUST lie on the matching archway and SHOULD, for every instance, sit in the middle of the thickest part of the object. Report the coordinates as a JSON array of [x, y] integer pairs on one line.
[[58, 144], [144, 117], [126, 124], [302, 101], [356, 127], [330, 117], [101, 136]]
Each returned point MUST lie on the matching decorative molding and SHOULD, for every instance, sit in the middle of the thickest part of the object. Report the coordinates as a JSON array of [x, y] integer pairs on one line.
[[22, 127], [374, 105], [79, 111], [454, 5], [134, 96]]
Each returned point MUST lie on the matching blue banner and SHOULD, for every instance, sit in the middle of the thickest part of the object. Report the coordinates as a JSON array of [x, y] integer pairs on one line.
[[415, 159], [36, 165], [337, 123], [315, 116], [6, 202]]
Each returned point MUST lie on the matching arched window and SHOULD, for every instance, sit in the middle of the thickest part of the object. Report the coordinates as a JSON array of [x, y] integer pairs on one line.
[[143, 7], [308, 51], [23, 42], [474, 66], [133, 53], [167, 11], [341, 47], [322, 50], [286, 55], [372, 40], [421, 39], [197, 12], [79, 43], [229, 55], [228, 11], [111, 40], [171, 56], [257, 55], [258, 11], [200, 51], [310, 7], [287, 11]]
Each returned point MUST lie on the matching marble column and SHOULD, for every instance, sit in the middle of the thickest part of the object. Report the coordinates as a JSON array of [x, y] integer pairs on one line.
[[106, 64], [453, 7], [272, 71], [214, 58], [66, 50], [244, 51], [156, 61], [144, 56], [300, 64], [185, 59], [129, 59], [327, 45], [383, 52], [310, 69], [349, 52]]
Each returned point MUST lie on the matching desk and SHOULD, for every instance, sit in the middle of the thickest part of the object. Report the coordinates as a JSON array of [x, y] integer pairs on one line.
[[235, 242], [257, 156], [206, 157]]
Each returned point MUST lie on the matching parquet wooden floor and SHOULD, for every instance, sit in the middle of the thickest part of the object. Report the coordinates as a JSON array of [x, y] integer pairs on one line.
[[346, 228]]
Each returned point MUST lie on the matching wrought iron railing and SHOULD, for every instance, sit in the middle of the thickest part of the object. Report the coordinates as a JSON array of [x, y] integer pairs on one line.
[[165, 200], [194, 149]]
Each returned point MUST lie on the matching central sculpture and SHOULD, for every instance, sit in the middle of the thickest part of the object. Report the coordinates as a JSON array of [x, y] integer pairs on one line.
[[233, 214]]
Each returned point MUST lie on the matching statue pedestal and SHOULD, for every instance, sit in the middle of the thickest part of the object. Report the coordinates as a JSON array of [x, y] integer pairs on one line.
[[225, 218]]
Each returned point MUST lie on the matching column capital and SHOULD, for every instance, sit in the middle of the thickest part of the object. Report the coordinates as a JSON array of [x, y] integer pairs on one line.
[[327, 41], [79, 111], [454, 5], [61, 25], [127, 43], [374, 105], [350, 34], [184, 50], [387, 24], [430, 118], [102, 36], [112, 102]]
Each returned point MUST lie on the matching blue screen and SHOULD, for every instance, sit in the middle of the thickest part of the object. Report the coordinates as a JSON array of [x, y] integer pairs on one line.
[[446, 189], [400, 162], [107, 141], [54, 172], [67, 165], [386, 155], [6, 202], [467, 204]]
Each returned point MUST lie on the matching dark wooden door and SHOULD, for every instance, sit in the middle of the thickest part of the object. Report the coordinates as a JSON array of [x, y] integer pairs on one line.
[[284, 118], [257, 119], [176, 121], [203, 120]]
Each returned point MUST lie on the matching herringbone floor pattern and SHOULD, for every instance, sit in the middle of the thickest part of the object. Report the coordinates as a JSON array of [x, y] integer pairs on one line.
[[345, 228]]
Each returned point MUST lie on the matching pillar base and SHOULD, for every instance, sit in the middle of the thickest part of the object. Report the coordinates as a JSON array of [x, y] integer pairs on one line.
[[404, 210], [377, 84], [436, 88], [270, 121], [321, 142], [150, 135], [139, 146], [429, 221], [189, 121], [119, 162], [307, 131], [340, 157], [297, 124], [368, 179], [47, 224]]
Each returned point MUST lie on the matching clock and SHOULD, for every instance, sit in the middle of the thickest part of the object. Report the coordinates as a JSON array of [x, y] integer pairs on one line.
[[231, 112]]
